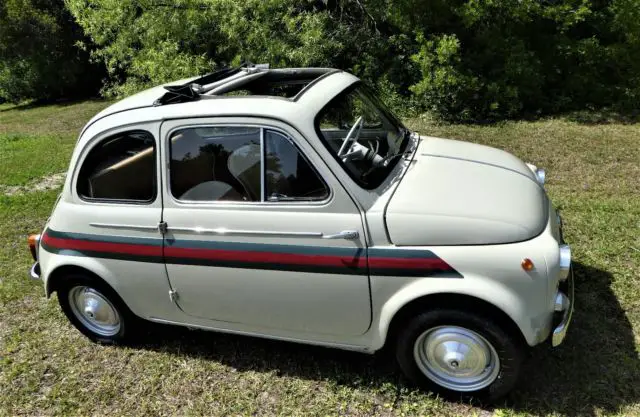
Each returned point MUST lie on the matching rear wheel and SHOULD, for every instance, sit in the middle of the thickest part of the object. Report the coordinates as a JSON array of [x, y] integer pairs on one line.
[[95, 309], [459, 355]]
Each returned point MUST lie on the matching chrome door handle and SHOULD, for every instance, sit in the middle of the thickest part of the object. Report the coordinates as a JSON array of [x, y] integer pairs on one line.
[[345, 234]]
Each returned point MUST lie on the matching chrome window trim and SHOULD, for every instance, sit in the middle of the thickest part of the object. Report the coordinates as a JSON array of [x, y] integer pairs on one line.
[[244, 204], [263, 167]]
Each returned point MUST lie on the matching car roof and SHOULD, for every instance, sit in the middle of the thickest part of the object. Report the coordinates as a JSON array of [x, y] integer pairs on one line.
[[322, 85]]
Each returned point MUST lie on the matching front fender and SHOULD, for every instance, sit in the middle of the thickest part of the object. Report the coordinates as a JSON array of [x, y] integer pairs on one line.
[[520, 310]]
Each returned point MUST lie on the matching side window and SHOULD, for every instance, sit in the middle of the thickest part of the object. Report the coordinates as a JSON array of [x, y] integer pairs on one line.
[[216, 164], [238, 163], [120, 168], [288, 175]]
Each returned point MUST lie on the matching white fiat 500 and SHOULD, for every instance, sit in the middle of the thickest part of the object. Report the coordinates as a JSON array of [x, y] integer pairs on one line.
[[291, 204]]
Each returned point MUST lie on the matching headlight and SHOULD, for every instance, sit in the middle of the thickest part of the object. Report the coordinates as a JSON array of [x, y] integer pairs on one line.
[[565, 262], [538, 172], [540, 175]]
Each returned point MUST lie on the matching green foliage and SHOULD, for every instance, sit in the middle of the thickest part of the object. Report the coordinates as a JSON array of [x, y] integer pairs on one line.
[[143, 43], [493, 60], [38, 56], [461, 60]]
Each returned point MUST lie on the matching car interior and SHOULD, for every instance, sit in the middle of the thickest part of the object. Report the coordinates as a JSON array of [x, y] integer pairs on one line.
[[224, 163], [121, 167]]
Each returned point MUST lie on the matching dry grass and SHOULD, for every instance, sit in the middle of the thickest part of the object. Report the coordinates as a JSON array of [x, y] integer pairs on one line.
[[49, 368]]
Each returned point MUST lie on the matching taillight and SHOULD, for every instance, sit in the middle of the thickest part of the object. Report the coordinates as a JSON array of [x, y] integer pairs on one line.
[[34, 241]]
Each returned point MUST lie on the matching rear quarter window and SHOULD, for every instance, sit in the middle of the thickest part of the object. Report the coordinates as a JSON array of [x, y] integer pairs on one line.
[[120, 168]]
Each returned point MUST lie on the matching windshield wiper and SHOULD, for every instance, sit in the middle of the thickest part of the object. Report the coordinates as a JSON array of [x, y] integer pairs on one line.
[[386, 160]]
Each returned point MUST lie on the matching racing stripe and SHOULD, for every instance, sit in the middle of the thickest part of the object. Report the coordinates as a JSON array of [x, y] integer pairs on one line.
[[349, 261]]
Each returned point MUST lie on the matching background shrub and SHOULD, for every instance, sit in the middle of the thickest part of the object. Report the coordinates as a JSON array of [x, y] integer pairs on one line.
[[38, 54], [461, 60]]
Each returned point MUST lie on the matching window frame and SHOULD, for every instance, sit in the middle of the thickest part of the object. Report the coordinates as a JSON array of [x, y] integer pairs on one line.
[[102, 138], [316, 125], [263, 201]]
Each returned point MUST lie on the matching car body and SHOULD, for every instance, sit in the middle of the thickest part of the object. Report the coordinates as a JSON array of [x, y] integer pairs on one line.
[[248, 201]]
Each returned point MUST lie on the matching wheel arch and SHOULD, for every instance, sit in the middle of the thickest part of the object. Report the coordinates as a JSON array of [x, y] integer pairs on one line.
[[483, 295], [56, 276], [455, 301], [144, 297]]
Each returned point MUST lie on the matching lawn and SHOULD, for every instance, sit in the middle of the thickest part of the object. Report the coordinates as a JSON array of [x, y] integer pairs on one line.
[[47, 367]]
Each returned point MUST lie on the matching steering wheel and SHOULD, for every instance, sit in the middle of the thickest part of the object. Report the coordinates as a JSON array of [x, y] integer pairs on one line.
[[355, 131]]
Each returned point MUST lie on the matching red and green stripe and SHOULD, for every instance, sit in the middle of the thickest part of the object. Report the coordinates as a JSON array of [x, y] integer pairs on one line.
[[315, 259]]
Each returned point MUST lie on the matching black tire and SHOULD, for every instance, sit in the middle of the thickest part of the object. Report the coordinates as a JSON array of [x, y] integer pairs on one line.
[[127, 320], [509, 350]]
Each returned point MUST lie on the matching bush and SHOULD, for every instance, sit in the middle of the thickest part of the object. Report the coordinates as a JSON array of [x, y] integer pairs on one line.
[[461, 60], [38, 56], [493, 60]]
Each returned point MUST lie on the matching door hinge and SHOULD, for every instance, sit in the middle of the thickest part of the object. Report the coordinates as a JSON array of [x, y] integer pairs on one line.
[[173, 296], [162, 227]]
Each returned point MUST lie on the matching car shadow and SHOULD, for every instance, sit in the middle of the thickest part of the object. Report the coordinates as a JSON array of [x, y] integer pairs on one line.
[[596, 370]]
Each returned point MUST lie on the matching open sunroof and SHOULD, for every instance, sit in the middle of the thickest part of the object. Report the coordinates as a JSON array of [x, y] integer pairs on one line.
[[247, 80]]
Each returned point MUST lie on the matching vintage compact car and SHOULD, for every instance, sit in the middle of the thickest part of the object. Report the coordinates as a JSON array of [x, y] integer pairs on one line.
[[292, 204]]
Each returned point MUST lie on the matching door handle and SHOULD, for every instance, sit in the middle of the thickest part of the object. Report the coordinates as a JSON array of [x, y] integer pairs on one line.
[[345, 234]]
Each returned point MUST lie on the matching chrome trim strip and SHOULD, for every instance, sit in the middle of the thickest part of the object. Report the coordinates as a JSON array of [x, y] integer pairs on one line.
[[231, 232], [560, 332], [562, 302], [123, 226], [565, 261], [263, 167], [38, 240], [344, 346], [34, 272]]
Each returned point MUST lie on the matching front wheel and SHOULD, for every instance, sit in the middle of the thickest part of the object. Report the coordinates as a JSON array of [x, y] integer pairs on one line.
[[459, 355]]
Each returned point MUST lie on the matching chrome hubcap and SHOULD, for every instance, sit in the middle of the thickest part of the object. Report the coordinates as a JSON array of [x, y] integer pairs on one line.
[[94, 311], [456, 358]]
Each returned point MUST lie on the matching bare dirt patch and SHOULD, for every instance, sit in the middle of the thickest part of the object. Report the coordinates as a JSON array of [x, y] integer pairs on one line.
[[50, 182]]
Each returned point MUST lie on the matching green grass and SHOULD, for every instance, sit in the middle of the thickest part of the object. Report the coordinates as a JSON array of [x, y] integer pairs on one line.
[[37, 141], [25, 158], [64, 119], [47, 367]]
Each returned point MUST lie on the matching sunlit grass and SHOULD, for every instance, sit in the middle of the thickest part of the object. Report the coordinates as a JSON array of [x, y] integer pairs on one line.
[[46, 367]]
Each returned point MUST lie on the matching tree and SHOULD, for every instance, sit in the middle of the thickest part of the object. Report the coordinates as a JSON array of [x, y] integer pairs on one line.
[[463, 60], [39, 58]]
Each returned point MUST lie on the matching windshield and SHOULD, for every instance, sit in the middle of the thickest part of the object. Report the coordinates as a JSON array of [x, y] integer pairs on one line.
[[362, 134]]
